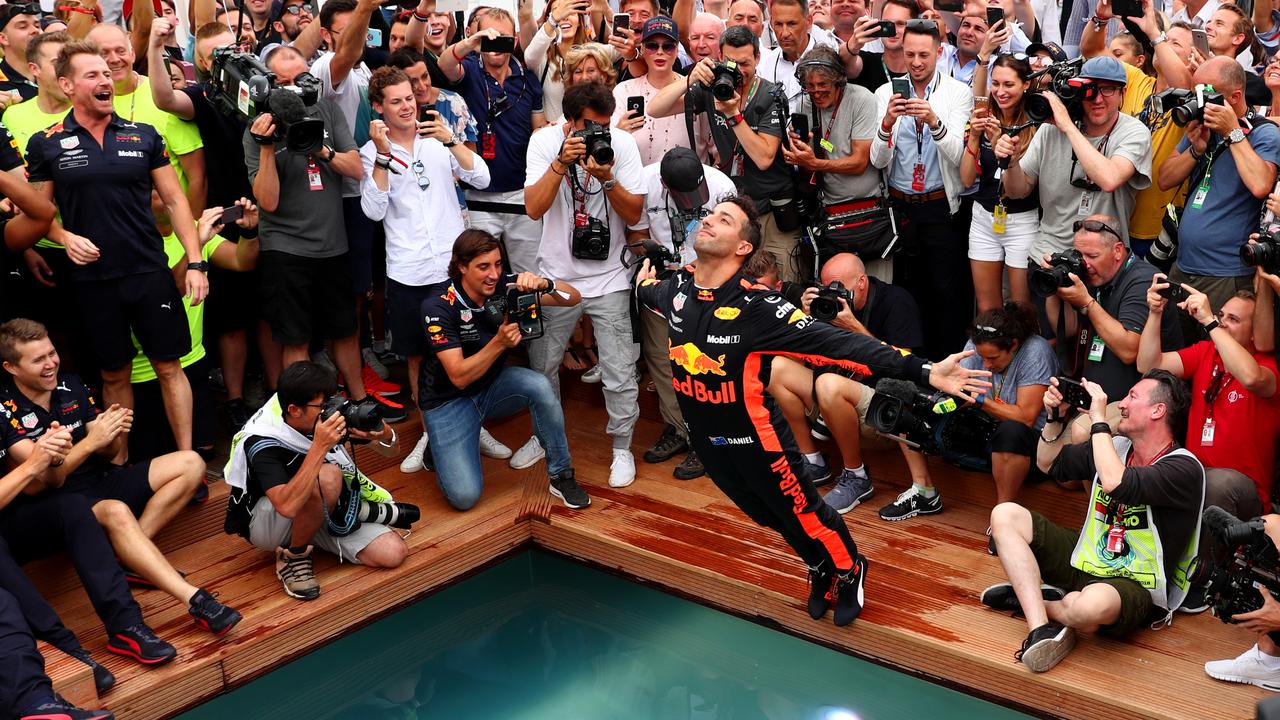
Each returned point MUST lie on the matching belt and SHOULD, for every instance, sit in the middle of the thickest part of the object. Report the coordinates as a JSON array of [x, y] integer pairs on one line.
[[496, 207], [918, 199]]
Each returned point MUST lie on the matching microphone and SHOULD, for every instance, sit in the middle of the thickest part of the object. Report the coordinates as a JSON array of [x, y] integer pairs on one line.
[[903, 390], [287, 107]]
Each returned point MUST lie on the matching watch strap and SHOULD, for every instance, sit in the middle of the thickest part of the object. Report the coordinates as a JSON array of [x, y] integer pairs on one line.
[[200, 265], [1099, 427], [1211, 325]]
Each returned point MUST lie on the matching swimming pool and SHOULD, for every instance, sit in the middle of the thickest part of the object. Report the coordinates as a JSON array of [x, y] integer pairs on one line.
[[538, 637]]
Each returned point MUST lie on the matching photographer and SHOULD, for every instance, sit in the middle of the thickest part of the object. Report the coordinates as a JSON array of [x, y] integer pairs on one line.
[[287, 472], [1147, 494], [871, 69], [585, 183], [747, 130], [1228, 160], [466, 379], [1260, 664]]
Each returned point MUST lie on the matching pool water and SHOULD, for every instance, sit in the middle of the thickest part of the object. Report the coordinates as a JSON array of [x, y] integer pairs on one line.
[[539, 637]]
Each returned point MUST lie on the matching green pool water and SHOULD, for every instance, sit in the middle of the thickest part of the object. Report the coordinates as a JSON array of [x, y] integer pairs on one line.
[[539, 637]]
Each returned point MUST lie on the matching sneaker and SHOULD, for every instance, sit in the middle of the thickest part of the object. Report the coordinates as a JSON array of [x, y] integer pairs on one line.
[[491, 447], [103, 679], [390, 410], [1002, 597], [592, 376], [413, 462], [849, 491], [237, 414], [528, 454], [817, 474], [848, 589], [911, 503], [565, 487], [59, 709], [668, 446], [297, 572], [201, 495], [991, 543], [1046, 646], [689, 468], [211, 614], [1195, 602], [373, 383], [818, 428], [217, 380], [374, 363], [622, 471], [821, 591], [1247, 668], [140, 643]]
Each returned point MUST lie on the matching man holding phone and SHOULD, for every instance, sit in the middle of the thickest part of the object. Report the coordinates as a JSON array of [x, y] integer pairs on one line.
[[872, 69]]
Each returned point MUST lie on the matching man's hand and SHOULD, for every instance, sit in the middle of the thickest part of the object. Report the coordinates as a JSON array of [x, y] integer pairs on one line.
[[800, 154], [1195, 60], [108, 426], [897, 108], [703, 72], [846, 320], [382, 433], [624, 41], [437, 129], [1052, 398], [1268, 278], [949, 377], [921, 110], [1061, 116], [1148, 20], [1264, 619], [38, 268], [1221, 118], [1076, 294], [527, 282], [250, 217], [647, 272], [1198, 136], [378, 134], [1005, 146], [195, 286], [573, 150], [329, 432], [1155, 301], [1097, 401], [1103, 10], [264, 126], [1197, 305], [508, 335], [51, 449], [161, 33], [208, 224], [997, 36], [863, 30], [729, 107], [80, 249], [603, 173]]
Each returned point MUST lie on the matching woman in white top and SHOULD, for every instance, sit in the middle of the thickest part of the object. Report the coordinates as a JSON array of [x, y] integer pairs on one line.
[[654, 136], [565, 24]]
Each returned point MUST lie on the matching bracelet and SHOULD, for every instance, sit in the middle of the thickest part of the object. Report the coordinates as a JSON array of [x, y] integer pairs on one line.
[[392, 441], [551, 286], [77, 9], [562, 164], [1195, 155], [1162, 37], [1055, 437], [384, 164], [453, 50], [420, 18], [1084, 309], [734, 121], [249, 233], [1098, 23], [1099, 427]]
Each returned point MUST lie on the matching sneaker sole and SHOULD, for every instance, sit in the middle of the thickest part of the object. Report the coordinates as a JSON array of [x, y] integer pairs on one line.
[[1042, 656], [412, 467], [1273, 687], [296, 595], [565, 500], [912, 514], [125, 652], [531, 463], [502, 453], [816, 435], [204, 625], [628, 483], [687, 475], [857, 501]]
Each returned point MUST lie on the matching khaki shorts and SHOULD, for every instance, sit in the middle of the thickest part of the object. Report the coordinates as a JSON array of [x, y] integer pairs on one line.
[[269, 530]]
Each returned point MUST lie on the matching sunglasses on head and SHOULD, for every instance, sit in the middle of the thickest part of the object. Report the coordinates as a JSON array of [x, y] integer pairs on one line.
[[1095, 226], [666, 47]]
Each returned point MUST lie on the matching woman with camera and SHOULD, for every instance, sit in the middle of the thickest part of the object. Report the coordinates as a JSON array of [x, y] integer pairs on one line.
[[1003, 228]]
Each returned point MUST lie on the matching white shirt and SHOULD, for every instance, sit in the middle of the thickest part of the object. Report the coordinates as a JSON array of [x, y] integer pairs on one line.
[[421, 224], [1200, 18], [774, 67], [949, 62], [593, 278], [952, 102], [655, 217], [347, 97]]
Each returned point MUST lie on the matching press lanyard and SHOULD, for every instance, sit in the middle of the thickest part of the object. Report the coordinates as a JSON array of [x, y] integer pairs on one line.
[[739, 154], [1219, 379], [825, 143]]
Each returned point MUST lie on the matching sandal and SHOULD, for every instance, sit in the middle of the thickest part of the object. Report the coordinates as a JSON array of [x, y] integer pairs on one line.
[[572, 361]]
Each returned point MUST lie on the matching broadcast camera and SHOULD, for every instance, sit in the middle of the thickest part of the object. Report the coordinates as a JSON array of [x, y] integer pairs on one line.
[[933, 423], [1236, 588], [1062, 79], [1046, 281], [521, 308], [727, 80], [243, 85]]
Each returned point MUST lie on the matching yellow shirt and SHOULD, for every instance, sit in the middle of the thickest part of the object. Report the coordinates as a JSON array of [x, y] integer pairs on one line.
[[24, 120], [180, 136], [1148, 209]]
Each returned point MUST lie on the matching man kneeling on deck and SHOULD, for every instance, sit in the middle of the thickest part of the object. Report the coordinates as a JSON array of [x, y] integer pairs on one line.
[[1129, 565], [288, 472]]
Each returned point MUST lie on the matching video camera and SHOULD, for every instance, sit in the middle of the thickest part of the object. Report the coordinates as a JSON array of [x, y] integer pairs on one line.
[[933, 423], [1237, 587], [521, 308], [1046, 281], [244, 86], [599, 147], [662, 260], [727, 79], [1063, 80]]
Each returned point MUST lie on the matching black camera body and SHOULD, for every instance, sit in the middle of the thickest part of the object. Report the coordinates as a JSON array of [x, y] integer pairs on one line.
[[1266, 252], [591, 237], [1046, 281], [364, 416], [599, 142], [521, 308], [826, 306], [244, 86], [932, 422], [1236, 588], [727, 79], [1064, 81], [1191, 106]]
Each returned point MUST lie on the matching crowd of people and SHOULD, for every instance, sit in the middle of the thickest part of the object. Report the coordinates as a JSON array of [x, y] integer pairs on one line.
[[1059, 214]]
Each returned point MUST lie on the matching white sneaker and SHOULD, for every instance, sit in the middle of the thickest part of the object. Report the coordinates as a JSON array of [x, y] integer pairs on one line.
[[412, 462], [490, 446], [371, 359], [530, 453], [592, 375], [622, 472], [1247, 668]]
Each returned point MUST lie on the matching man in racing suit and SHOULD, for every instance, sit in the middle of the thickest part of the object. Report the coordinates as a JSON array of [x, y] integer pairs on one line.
[[723, 327]]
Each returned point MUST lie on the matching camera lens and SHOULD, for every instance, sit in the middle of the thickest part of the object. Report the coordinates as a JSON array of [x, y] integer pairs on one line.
[[1046, 281], [824, 308], [1262, 254], [722, 88]]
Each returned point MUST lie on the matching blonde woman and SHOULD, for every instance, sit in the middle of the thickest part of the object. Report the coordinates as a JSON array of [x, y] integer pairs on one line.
[[565, 25], [590, 63]]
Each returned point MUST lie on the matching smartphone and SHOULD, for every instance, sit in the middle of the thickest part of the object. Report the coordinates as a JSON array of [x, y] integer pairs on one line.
[[373, 38], [1126, 8], [231, 214], [427, 113], [1200, 39], [886, 28], [1175, 293], [901, 86], [800, 125], [994, 15], [621, 20], [636, 103], [500, 44], [528, 316], [981, 103], [1073, 393], [949, 5]]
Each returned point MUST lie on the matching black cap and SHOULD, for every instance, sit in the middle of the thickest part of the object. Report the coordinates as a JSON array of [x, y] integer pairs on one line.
[[10, 11], [1055, 51], [681, 173]]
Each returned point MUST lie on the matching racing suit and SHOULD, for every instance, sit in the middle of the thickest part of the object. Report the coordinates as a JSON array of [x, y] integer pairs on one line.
[[720, 342]]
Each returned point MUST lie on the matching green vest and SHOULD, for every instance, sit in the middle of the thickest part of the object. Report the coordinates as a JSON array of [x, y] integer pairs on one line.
[[1143, 558]]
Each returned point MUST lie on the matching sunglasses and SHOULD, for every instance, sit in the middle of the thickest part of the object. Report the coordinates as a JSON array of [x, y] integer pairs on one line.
[[1095, 226], [419, 172], [298, 9], [667, 47]]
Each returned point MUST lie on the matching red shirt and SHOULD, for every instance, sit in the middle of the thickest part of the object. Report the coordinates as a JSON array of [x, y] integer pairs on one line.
[[1245, 425]]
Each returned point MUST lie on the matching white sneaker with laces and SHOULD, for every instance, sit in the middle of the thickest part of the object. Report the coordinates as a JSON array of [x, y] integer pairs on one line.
[[592, 375], [1247, 668], [412, 462], [528, 454], [490, 446], [622, 472]]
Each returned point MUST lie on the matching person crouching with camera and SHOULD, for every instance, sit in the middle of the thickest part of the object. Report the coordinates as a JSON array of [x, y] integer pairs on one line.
[[288, 471], [1129, 564], [1254, 547], [472, 321]]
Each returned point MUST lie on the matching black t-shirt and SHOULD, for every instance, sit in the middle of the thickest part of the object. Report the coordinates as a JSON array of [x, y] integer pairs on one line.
[[270, 466], [71, 404], [874, 72], [10, 158], [1125, 299], [892, 316], [453, 320], [1173, 487], [11, 79], [762, 114], [224, 152]]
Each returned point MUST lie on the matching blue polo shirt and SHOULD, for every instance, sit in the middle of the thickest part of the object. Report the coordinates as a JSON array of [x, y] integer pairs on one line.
[[104, 191], [507, 111]]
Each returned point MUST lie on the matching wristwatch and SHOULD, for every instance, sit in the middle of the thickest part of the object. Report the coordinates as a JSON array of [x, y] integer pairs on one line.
[[1099, 427], [924, 373], [1235, 136], [609, 184], [201, 265], [1209, 326], [452, 142], [1162, 37]]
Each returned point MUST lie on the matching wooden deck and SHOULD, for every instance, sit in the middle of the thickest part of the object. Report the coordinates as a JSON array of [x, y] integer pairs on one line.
[[922, 614]]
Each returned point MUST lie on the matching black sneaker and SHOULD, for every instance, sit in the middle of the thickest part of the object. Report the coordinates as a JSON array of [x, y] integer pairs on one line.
[[817, 474], [1046, 646], [211, 614], [389, 410], [237, 414], [818, 428], [848, 590], [668, 446], [821, 591], [59, 709], [689, 468], [911, 503], [1002, 597], [103, 680], [1195, 602], [202, 494], [566, 487], [140, 643]]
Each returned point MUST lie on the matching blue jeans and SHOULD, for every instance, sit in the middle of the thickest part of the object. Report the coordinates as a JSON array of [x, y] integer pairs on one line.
[[454, 428]]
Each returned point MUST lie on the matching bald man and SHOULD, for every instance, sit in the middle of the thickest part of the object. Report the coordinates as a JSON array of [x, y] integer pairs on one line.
[[704, 36]]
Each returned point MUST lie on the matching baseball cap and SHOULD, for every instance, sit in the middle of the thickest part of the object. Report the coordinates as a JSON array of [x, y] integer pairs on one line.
[[10, 11], [681, 173], [1104, 68], [660, 25], [1055, 51]]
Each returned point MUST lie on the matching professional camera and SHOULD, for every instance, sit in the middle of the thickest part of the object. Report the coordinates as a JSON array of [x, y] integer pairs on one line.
[[1265, 253], [1063, 79], [1046, 281], [359, 416], [826, 306], [243, 85], [521, 308], [392, 514], [598, 141], [590, 238], [662, 260], [1168, 99], [932, 422], [1192, 107], [1234, 589], [727, 80]]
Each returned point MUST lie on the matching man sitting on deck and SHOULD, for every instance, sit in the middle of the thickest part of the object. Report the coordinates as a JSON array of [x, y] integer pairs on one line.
[[1144, 507]]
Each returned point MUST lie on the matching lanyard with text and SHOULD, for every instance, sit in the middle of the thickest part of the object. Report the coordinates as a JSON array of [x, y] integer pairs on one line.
[[314, 182], [739, 161], [917, 172], [494, 108], [1088, 336], [1116, 544], [1219, 379]]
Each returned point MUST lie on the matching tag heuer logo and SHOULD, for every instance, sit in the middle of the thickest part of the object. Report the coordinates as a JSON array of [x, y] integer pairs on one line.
[[30, 421]]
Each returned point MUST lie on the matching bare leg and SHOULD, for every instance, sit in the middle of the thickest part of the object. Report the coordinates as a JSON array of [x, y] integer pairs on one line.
[[174, 479], [791, 385], [415, 365], [176, 391], [346, 355], [1018, 290], [233, 348], [1009, 470], [292, 354], [272, 355], [138, 552], [1011, 528], [1097, 605], [918, 466], [988, 279], [386, 551], [838, 396], [116, 390], [310, 517]]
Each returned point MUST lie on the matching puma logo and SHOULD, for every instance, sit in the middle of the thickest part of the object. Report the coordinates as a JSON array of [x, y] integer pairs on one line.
[[166, 306]]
